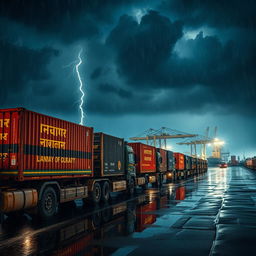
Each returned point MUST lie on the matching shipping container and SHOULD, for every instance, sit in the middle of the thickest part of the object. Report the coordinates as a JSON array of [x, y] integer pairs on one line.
[[46, 161], [254, 163], [249, 163], [233, 158], [145, 157], [162, 160], [179, 159], [108, 155], [194, 163], [36, 146], [187, 162], [170, 161]]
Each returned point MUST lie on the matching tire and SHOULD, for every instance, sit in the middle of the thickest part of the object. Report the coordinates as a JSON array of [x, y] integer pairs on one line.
[[48, 203], [131, 188], [105, 191], [96, 193]]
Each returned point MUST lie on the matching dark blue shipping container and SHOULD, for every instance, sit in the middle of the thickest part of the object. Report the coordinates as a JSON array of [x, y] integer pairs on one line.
[[170, 161], [188, 162]]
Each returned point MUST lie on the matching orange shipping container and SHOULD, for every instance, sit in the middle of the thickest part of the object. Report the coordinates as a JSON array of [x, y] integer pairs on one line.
[[36, 146], [249, 162], [179, 165]]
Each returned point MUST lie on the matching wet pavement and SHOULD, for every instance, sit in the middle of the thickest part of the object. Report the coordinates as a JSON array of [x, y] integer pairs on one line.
[[212, 214]]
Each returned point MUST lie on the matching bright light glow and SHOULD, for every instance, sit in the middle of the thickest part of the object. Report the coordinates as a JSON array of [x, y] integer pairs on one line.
[[216, 142], [169, 147], [80, 86], [139, 13], [219, 143]]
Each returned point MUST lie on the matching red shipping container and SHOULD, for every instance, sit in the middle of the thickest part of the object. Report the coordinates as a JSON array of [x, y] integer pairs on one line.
[[163, 165], [36, 146], [254, 162], [249, 162], [179, 165], [145, 157]]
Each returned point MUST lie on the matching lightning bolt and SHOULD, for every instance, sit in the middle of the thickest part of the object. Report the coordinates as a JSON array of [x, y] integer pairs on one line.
[[80, 61]]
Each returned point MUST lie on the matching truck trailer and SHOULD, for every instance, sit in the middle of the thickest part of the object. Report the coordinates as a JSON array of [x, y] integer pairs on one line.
[[145, 163], [46, 161]]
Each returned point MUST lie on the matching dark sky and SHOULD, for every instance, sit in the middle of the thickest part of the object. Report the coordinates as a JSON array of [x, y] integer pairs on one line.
[[146, 64]]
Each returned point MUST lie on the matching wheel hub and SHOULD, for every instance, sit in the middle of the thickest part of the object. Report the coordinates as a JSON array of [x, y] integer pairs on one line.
[[48, 203]]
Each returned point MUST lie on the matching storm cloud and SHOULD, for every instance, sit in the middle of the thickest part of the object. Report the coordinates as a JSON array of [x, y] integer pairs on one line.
[[153, 61], [20, 67], [140, 57], [213, 13]]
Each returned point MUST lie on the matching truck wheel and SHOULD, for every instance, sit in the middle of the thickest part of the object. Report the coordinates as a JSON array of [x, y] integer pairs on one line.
[[131, 189], [48, 204], [105, 191], [96, 193]]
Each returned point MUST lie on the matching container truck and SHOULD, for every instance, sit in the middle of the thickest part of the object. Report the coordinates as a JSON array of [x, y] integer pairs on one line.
[[145, 163], [194, 166], [180, 165], [161, 166], [114, 167], [45, 161], [187, 165], [171, 171]]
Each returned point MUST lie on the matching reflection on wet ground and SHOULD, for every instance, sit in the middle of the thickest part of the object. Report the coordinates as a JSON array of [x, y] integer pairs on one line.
[[210, 214]]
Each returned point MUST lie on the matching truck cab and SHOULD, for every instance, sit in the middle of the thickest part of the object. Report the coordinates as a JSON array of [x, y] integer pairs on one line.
[[130, 163]]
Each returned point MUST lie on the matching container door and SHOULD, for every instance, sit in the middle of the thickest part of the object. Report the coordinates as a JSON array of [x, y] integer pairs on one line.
[[9, 140]]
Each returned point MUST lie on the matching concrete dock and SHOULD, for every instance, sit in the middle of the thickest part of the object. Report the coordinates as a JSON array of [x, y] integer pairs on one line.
[[212, 214]]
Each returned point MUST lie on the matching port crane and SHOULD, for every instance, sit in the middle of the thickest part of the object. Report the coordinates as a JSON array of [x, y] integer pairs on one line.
[[203, 141], [160, 136]]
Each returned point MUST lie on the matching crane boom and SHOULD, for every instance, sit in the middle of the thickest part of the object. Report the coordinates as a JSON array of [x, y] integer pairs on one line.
[[164, 137]]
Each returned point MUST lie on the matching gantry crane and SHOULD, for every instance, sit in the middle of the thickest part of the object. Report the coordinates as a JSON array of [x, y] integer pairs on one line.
[[154, 137], [203, 141]]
